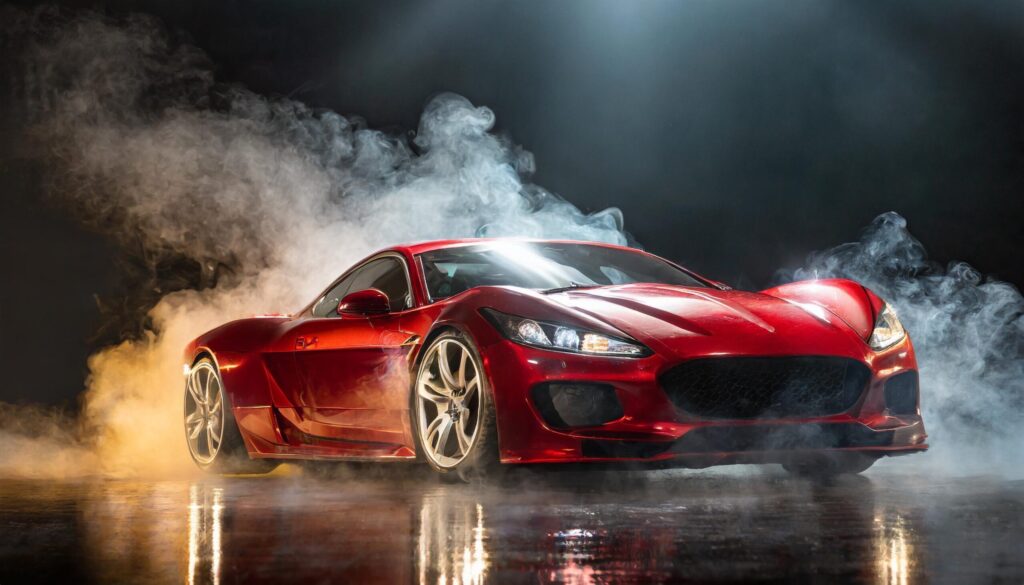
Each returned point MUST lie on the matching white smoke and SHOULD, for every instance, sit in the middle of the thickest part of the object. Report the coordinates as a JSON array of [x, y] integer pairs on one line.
[[143, 143], [968, 332]]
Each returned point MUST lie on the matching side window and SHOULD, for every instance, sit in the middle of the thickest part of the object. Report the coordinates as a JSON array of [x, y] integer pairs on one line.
[[328, 306], [388, 276], [385, 274]]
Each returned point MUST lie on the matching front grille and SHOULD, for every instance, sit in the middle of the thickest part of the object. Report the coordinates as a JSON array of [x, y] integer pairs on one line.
[[766, 387]]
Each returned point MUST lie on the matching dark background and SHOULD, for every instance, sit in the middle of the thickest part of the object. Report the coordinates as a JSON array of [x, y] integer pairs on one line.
[[735, 136]]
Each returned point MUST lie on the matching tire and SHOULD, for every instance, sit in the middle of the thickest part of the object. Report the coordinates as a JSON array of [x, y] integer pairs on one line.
[[831, 465], [452, 411], [207, 411]]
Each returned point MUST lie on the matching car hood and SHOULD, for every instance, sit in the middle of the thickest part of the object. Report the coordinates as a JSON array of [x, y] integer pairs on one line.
[[689, 321]]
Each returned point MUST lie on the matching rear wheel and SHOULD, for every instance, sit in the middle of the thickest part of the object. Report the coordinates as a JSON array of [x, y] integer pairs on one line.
[[453, 410], [831, 465], [214, 441]]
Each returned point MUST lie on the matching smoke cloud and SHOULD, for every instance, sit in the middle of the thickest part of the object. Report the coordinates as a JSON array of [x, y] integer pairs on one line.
[[968, 332], [270, 199]]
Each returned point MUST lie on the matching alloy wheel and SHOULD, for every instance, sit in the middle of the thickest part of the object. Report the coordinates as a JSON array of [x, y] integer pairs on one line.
[[448, 402], [204, 413]]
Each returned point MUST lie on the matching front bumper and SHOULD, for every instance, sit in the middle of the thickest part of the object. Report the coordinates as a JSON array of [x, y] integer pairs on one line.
[[653, 430]]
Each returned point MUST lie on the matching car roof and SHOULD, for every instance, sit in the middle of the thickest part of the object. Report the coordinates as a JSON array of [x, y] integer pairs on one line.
[[429, 246]]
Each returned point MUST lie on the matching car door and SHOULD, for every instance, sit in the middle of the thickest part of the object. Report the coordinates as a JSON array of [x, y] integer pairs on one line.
[[354, 375]]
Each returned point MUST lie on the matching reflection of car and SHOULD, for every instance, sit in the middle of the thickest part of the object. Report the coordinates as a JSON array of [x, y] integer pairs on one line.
[[466, 353]]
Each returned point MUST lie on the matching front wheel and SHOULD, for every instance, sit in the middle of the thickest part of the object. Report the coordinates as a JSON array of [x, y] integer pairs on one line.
[[214, 441], [453, 410]]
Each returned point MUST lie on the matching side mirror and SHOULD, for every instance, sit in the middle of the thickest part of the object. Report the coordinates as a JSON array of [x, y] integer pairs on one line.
[[364, 302]]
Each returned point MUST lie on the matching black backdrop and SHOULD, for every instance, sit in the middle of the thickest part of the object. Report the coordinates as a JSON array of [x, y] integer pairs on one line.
[[735, 136]]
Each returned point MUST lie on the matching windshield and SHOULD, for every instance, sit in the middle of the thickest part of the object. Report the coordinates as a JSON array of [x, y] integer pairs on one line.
[[542, 266]]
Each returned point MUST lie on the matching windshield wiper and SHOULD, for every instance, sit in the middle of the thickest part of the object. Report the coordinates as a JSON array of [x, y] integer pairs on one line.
[[572, 286]]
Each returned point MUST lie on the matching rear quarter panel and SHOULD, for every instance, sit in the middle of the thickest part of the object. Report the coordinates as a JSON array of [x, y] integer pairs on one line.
[[239, 349]]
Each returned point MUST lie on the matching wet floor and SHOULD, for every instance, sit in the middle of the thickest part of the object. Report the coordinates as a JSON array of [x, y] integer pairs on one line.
[[738, 524]]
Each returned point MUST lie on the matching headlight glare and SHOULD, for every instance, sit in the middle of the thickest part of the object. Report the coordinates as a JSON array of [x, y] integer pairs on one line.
[[888, 330], [567, 338], [561, 337], [531, 332]]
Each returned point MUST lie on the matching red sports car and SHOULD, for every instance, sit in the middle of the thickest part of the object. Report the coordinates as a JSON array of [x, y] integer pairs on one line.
[[470, 353]]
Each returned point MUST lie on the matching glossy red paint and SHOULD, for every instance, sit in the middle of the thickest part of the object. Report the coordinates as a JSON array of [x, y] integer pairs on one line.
[[363, 303], [306, 387]]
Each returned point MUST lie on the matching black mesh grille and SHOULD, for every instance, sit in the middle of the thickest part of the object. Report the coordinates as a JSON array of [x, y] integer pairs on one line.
[[576, 404], [766, 387], [901, 393]]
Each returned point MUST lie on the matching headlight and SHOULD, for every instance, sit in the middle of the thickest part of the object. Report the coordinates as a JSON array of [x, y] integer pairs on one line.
[[888, 330], [562, 337]]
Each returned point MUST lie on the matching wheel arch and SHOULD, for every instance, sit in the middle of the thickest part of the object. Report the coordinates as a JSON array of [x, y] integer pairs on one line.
[[436, 331], [204, 352]]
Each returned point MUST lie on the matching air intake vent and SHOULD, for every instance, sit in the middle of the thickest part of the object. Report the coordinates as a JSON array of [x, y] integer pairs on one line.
[[576, 404], [901, 393], [766, 387]]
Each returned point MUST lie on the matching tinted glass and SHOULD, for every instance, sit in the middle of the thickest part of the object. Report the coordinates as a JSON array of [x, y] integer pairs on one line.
[[328, 306], [386, 275], [542, 266]]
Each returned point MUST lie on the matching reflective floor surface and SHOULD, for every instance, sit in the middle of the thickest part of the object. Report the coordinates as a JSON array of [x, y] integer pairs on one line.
[[692, 526]]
